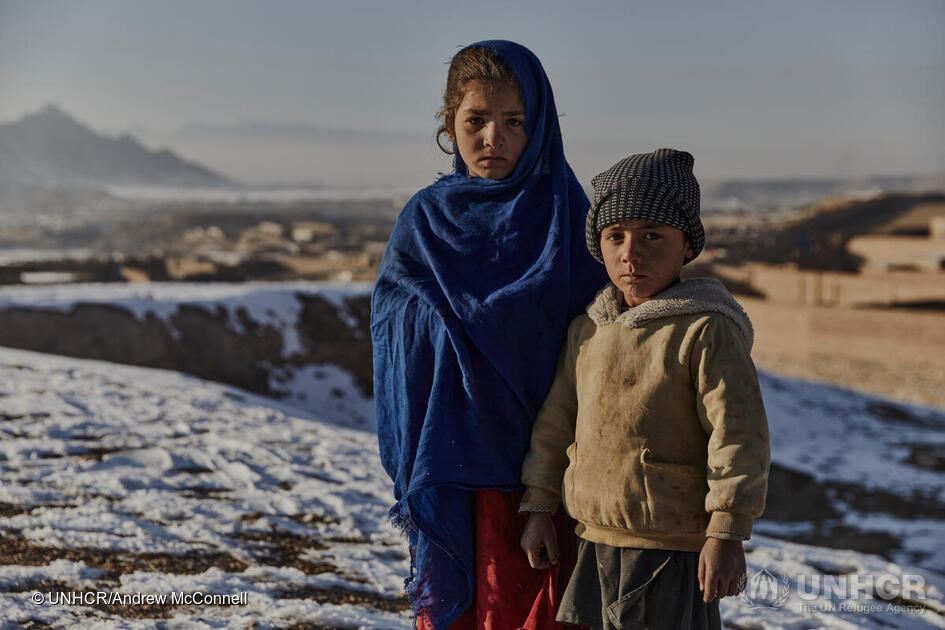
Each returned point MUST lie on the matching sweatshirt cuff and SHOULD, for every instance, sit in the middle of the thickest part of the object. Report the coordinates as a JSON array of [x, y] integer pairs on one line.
[[725, 536], [538, 500], [724, 524]]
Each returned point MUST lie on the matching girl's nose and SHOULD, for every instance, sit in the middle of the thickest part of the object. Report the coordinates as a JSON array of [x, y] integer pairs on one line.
[[493, 135]]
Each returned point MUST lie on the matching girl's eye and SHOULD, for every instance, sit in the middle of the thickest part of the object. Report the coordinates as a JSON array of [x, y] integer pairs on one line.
[[475, 121], [515, 122]]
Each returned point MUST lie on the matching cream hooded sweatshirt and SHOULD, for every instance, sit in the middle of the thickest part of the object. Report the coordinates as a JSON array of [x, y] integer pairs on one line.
[[654, 433]]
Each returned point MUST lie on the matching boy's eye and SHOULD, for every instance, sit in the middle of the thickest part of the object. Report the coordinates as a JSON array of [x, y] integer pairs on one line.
[[614, 236], [652, 236]]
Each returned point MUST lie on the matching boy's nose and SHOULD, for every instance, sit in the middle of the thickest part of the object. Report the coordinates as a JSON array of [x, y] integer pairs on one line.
[[631, 249]]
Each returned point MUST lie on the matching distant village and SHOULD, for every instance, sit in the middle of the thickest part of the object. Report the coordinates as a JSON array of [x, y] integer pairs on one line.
[[849, 290], [339, 242]]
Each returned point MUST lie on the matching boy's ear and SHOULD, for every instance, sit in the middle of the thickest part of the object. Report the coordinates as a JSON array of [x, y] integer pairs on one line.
[[689, 252]]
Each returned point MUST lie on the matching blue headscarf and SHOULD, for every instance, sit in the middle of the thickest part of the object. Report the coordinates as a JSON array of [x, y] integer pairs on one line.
[[473, 298]]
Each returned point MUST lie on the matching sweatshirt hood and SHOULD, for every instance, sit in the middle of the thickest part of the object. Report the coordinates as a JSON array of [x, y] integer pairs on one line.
[[692, 297]]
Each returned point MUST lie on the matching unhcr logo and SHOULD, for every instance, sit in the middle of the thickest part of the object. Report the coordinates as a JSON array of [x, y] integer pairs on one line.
[[769, 588], [766, 589]]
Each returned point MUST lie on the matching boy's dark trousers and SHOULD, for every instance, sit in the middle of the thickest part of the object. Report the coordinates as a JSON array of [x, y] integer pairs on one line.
[[616, 588]]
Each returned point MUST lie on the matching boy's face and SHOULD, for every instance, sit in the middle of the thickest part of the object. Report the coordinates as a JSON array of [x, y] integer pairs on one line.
[[643, 258]]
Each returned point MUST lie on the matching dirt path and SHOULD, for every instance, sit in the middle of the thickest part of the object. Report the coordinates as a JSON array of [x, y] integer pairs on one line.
[[890, 352]]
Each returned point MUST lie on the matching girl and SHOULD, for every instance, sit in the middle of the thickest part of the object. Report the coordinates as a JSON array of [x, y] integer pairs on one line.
[[483, 272]]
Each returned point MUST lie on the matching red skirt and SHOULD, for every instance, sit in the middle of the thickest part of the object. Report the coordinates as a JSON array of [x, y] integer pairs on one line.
[[510, 595]]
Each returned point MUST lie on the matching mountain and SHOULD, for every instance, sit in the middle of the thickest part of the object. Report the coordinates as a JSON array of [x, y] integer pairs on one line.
[[50, 148]]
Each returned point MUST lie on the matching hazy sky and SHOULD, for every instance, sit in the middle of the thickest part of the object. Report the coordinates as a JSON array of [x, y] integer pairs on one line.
[[345, 92]]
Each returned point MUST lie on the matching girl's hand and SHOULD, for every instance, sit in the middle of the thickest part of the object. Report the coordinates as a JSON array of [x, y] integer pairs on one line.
[[721, 568], [540, 540]]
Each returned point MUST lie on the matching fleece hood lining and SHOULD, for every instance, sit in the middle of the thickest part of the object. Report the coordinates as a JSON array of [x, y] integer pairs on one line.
[[699, 295]]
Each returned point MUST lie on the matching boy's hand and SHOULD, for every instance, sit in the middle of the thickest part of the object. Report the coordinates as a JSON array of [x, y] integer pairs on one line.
[[540, 536], [721, 568]]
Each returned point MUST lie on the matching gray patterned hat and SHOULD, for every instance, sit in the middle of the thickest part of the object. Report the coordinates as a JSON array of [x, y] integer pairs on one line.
[[657, 186]]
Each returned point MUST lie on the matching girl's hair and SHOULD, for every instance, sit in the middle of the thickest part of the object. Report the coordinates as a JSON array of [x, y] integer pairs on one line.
[[471, 64]]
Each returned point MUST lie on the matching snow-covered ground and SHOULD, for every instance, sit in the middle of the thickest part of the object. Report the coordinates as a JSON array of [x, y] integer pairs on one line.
[[126, 480], [119, 482], [323, 388], [120, 479], [272, 303], [841, 437]]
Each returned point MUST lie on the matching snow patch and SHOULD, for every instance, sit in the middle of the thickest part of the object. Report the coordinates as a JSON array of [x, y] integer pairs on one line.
[[274, 304], [329, 389]]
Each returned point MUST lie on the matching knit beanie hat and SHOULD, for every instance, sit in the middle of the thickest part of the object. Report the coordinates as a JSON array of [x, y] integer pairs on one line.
[[657, 186]]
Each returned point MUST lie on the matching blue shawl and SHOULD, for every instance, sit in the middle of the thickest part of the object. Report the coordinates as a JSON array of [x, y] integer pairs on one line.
[[473, 298]]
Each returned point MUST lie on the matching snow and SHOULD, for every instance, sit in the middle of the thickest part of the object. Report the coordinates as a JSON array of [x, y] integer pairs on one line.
[[131, 461], [329, 389], [120, 479], [267, 303], [833, 433], [838, 435], [97, 456], [815, 599], [46, 277], [326, 389]]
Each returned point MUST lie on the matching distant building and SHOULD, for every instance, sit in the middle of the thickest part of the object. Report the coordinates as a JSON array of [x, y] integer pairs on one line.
[[937, 228], [307, 231]]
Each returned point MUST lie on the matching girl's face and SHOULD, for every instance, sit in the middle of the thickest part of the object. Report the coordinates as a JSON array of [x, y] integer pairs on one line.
[[489, 129], [642, 257]]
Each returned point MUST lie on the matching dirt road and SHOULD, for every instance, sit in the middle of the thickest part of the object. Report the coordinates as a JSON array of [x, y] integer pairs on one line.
[[890, 352]]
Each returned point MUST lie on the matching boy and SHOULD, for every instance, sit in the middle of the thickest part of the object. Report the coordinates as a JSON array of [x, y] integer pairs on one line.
[[654, 433]]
